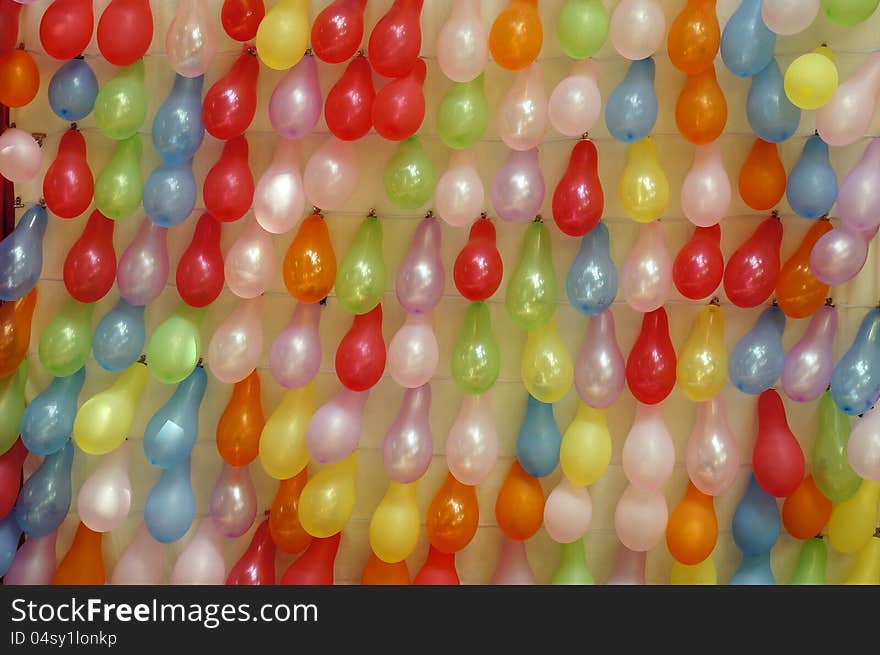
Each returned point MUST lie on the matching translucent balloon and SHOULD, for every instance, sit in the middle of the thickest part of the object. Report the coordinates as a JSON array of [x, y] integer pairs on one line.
[[582, 27], [201, 560], [531, 291], [518, 187], [421, 276], [170, 505], [637, 28], [283, 34], [83, 563], [16, 319], [236, 345], [67, 341], [762, 176], [863, 449], [463, 114], [811, 79], [643, 187], [546, 367], [629, 568], [478, 267], [855, 382], [178, 130], [44, 499], [746, 42], [640, 519], [119, 187], [701, 109], [865, 571], [538, 440], [331, 174], [284, 524], [72, 90], [572, 568], [172, 431], [472, 442], [808, 366], [752, 270], [21, 255], [460, 196], [757, 359], [121, 105], [230, 104], [591, 283], [394, 526], [48, 419], [413, 352], [233, 501], [516, 35], [66, 28], [125, 31], [175, 346], [787, 17], [476, 358], [812, 183], [698, 267], [703, 573], [858, 195], [586, 446], [839, 255], [190, 41], [705, 193], [169, 194], [361, 354], [777, 457], [648, 452], [141, 563], [19, 78], [338, 30], [396, 39], [770, 113], [646, 277], [576, 102], [692, 530], [408, 444], [701, 370], [315, 566], [798, 291], [848, 13], [399, 107], [831, 470], [68, 185], [10, 535], [20, 155], [713, 455], [249, 266], [334, 429], [631, 111], [34, 563], [142, 272], [348, 108], [327, 500], [309, 267], [522, 114], [650, 366], [806, 511], [462, 43], [104, 499], [847, 116], [279, 199], [600, 372], [694, 36], [438, 569], [283, 452], [409, 177], [241, 423], [578, 200], [567, 512], [295, 355]]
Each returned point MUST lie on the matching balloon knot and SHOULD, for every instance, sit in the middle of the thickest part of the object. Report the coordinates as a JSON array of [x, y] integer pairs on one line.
[[251, 50], [38, 137], [715, 301], [199, 363], [829, 302], [80, 57], [361, 53], [308, 52], [323, 301], [538, 219], [142, 360], [877, 532], [823, 45], [371, 213], [585, 136], [819, 536], [266, 513], [775, 214], [775, 303], [21, 46], [73, 127], [484, 216], [824, 217], [429, 214], [42, 202], [19, 203], [316, 210]]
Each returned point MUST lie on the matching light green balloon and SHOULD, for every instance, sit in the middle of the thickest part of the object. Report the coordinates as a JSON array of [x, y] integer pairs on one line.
[[409, 175], [849, 12], [572, 569], [476, 358], [582, 28], [12, 405], [811, 563], [833, 475], [531, 291], [120, 186], [175, 346], [121, 104], [463, 114], [360, 278], [67, 341]]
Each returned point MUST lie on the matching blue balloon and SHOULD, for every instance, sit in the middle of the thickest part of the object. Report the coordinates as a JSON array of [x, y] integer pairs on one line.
[[754, 570], [72, 90], [170, 194], [632, 107], [119, 338], [44, 500], [178, 129], [48, 419], [772, 116], [21, 254], [539, 439], [171, 505], [756, 520], [812, 184], [591, 283], [171, 433], [855, 383], [757, 359], [10, 534], [747, 44]]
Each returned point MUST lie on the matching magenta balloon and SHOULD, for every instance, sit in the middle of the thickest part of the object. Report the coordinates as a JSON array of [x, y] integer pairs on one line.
[[810, 363], [233, 501], [143, 267], [600, 371], [413, 352], [335, 428], [296, 103], [518, 187], [20, 155], [472, 443], [838, 255], [858, 201], [422, 277], [331, 174], [408, 445], [295, 355]]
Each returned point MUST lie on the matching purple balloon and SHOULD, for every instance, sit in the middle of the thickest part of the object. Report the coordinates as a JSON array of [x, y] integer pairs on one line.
[[518, 187], [421, 277], [295, 105], [335, 429], [838, 255], [295, 355], [233, 501], [858, 202], [810, 363], [143, 267], [600, 372], [408, 445]]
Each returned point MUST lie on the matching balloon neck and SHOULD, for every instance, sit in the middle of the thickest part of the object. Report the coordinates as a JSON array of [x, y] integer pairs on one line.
[[135, 70]]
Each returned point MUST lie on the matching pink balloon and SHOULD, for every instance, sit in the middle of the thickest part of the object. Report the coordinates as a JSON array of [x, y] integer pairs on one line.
[[646, 277], [190, 41], [20, 155], [421, 277], [335, 428], [858, 201], [249, 266], [637, 28], [567, 512], [142, 562], [472, 442], [143, 267], [713, 455], [522, 114], [838, 255], [295, 355], [459, 197], [863, 448], [600, 370], [34, 563], [808, 366], [104, 499], [788, 17], [463, 43], [413, 353], [648, 451], [201, 560], [640, 519], [518, 187], [279, 199], [705, 193], [331, 174], [236, 345], [847, 116], [513, 566], [629, 568], [409, 445], [576, 102], [296, 103], [233, 501]]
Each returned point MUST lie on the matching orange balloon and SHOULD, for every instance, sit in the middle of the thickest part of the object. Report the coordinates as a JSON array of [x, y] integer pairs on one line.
[[438, 569], [15, 331], [798, 292], [19, 78], [692, 529], [83, 564], [806, 511], [762, 176], [516, 36], [377, 572], [284, 526], [452, 516], [701, 110], [694, 37], [519, 508], [310, 264], [241, 423]]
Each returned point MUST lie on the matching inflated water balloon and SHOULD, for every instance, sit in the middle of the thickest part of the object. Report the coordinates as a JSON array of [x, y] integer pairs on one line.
[[172, 431], [279, 199], [68, 185], [858, 196], [855, 383], [839, 255], [582, 27], [518, 187], [175, 346], [811, 79], [538, 440], [462, 43], [361, 354], [648, 452], [142, 272], [178, 130], [10, 10], [862, 450], [19, 78], [399, 106], [463, 113], [640, 518], [746, 42], [701, 370], [309, 266], [637, 28], [83, 563], [777, 459], [377, 572], [230, 104], [752, 271], [338, 30], [757, 359], [531, 291], [546, 368], [360, 281], [284, 525], [809, 364], [201, 560], [408, 445], [513, 565], [705, 193], [806, 511], [200, 271], [315, 566], [327, 500], [478, 268], [348, 107], [852, 522], [787, 17], [170, 505], [460, 197], [413, 352], [295, 354], [812, 183], [12, 406], [90, 266], [256, 566], [104, 499], [20, 155], [522, 113], [241, 18], [44, 500], [295, 104], [472, 442], [66, 342], [283, 451], [170, 194], [48, 419], [190, 41], [241, 423], [866, 570], [699, 266], [798, 291], [586, 446], [646, 277], [632, 107], [334, 429], [643, 188], [409, 178], [394, 526], [421, 276], [104, 420], [21, 255], [850, 12], [125, 31], [283, 34], [331, 174], [396, 40], [651, 364], [121, 105], [237, 343], [567, 512], [249, 267], [591, 283], [694, 37], [233, 501], [713, 456], [770, 113], [516, 35], [16, 318], [575, 102], [847, 116], [228, 188], [119, 186], [72, 90], [572, 568], [701, 109], [519, 507], [762, 177], [578, 200], [34, 563], [476, 359], [692, 529], [599, 371], [831, 470]]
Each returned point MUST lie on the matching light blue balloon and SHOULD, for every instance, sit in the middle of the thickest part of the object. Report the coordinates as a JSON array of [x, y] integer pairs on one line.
[[754, 570], [757, 359], [747, 43], [756, 520], [591, 283], [21, 254], [44, 500], [48, 419], [178, 129], [171, 505], [812, 184], [72, 90], [171, 433], [632, 107], [539, 439], [855, 383], [10, 534], [170, 194], [772, 116], [119, 337]]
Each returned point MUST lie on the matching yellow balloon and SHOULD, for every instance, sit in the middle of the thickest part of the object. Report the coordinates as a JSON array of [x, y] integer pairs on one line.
[[701, 370], [547, 370], [394, 528], [283, 34], [283, 451], [811, 79], [327, 500], [703, 573], [586, 446], [104, 420], [852, 522], [867, 567], [643, 187]]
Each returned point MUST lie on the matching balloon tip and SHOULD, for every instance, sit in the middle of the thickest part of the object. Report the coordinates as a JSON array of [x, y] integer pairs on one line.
[[484, 216], [142, 360], [42, 202], [39, 137], [829, 302], [371, 213], [429, 213], [775, 303], [538, 219], [19, 203], [200, 363], [585, 136], [323, 301], [716, 301], [877, 532], [775, 214], [316, 211]]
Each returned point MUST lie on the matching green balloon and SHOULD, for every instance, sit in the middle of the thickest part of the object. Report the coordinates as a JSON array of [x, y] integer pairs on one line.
[[531, 292], [120, 187], [409, 175], [833, 475], [463, 114], [360, 278], [849, 12], [811, 563], [582, 28], [121, 104], [175, 346], [476, 359], [572, 569], [12, 405], [67, 341]]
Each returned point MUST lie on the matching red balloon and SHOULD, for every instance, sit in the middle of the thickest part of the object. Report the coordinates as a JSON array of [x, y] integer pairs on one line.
[[578, 200], [10, 476], [753, 269], [360, 357], [438, 569], [200, 270], [231, 102], [478, 268], [399, 108], [348, 109], [396, 40], [257, 564], [777, 459], [68, 184], [241, 18], [650, 367], [125, 31], [90, 266], [66, 28], [699, 265], [338, 30], [229, 185], [9, 13], [315, 566]]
